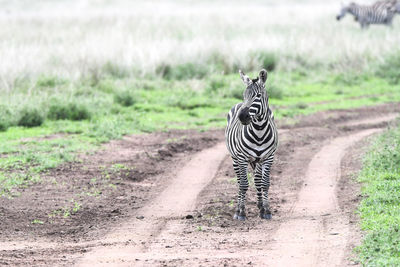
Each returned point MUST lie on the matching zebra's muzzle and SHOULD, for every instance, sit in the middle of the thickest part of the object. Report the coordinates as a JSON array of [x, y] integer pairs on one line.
[[244, 116]]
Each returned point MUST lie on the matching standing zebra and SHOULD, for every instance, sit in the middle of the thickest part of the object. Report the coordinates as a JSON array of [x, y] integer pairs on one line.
[[381, 12], [252, 138]]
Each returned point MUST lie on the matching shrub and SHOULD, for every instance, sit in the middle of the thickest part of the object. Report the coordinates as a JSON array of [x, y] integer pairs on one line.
[[267, 60], [30, 117], [69, 111], [390, 68], [5, 118], [115, 71], [182, 71], [164, 70], [125, 98], [3, 126], [78, 112]]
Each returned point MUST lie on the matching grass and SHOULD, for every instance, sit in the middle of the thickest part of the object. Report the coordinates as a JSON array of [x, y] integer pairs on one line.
[[380, 208]]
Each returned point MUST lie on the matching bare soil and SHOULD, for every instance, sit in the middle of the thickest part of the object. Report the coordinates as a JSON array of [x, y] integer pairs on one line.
[[167, 199]]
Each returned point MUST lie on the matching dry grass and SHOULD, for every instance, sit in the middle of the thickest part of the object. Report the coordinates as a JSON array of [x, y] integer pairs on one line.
[[74, 38]]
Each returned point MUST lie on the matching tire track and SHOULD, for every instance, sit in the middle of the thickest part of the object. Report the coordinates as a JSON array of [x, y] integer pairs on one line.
[[316, 232], [179, 197]]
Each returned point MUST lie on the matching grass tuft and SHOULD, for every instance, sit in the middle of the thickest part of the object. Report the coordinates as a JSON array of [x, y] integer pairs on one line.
[[125, 98]]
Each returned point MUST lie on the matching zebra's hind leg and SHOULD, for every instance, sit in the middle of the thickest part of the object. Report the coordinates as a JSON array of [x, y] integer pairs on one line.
[[265, 212], [257, 182], [240, 168]]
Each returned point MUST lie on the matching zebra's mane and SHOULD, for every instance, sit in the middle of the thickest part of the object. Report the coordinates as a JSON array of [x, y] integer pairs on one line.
[[255, 80]]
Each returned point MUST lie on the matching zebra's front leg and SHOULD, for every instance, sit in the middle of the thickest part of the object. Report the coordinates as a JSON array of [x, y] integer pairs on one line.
[[265, 212], [240, 168]]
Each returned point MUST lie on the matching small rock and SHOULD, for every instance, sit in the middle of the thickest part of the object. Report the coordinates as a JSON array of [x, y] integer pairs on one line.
[[140, 217], [189, 216], [116, 211], [333, 233]]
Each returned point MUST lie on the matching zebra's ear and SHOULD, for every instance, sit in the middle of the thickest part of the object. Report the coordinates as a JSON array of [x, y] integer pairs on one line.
[[263, 76], [246, 80]]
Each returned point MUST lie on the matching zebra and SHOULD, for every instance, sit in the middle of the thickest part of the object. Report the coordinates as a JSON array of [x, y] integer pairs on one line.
[[381, 12], [252, 138], [391, 5]]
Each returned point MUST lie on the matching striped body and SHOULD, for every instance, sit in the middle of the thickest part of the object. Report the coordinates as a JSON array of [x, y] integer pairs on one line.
[[252, 138], [253, 142], [381, 12]]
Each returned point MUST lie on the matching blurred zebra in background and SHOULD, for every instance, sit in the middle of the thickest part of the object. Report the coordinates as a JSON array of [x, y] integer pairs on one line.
[[381, 12], [252, 138]]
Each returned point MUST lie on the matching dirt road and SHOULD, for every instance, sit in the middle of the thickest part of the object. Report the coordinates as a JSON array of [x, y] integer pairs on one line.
[[184, 215]]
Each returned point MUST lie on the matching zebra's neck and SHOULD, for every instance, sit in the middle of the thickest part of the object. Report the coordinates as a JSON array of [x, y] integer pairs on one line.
[[263, 114], [263, 117], [354, 10]]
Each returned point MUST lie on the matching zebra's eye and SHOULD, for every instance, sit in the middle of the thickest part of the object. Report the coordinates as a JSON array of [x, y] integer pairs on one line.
[[258, 95]]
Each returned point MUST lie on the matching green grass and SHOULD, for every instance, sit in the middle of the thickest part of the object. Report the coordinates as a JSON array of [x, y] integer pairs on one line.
[[76, 117], [380, 208]]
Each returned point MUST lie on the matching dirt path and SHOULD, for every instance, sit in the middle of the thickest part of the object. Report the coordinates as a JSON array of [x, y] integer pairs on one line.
[[175, 206], [313, 233]]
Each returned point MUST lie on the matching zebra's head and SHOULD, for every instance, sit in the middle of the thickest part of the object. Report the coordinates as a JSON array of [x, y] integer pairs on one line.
[[344, 9], [255, 97]]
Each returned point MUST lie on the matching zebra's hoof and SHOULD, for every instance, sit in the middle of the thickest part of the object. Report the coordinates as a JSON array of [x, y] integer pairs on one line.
[[266, 216], [239, 217]]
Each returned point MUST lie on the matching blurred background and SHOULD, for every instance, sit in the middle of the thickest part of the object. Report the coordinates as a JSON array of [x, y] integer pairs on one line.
[[80, 39]]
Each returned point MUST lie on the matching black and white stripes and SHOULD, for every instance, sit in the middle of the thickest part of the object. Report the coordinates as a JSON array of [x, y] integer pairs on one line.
[[252, 138], [381, 12]]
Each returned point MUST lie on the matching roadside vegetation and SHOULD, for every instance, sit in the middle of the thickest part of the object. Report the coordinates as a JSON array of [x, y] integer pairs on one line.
[[380, 208]]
